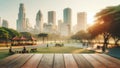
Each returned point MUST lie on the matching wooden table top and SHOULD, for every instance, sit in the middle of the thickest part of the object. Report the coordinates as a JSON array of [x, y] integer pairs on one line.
[[60, 61]]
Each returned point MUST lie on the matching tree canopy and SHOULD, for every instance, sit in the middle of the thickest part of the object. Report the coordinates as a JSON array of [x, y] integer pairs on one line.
[[107, 23], [3, 34], [7, 33], [26, 34], [82, 35]]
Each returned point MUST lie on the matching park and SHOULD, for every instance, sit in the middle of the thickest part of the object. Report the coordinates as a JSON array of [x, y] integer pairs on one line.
[[51, 45]]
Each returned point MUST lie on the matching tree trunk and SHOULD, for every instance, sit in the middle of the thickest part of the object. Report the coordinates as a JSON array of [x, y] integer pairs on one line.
[[106, 37], [116, 40]]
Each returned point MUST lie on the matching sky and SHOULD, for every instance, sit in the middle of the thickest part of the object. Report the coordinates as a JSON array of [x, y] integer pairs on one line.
[[9, 9]]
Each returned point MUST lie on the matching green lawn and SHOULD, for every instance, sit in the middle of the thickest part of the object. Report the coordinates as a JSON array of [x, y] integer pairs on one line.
[[5, 53], [62, 50]]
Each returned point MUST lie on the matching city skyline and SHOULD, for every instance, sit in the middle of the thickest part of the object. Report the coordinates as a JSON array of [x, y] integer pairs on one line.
[[10, 9]]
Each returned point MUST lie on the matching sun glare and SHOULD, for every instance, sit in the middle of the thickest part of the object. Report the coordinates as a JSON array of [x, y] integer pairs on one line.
[[90, 19]]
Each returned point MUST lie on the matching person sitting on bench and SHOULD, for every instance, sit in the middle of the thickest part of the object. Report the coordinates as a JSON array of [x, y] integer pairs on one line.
[[24, 50]]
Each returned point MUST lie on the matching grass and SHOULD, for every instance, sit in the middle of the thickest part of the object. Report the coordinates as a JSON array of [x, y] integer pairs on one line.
[[4, 53], [62, 50]]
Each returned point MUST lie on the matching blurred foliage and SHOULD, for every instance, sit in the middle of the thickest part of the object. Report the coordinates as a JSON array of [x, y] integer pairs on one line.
[[7, 33], [82, 35], [26, 34], [107, 23]]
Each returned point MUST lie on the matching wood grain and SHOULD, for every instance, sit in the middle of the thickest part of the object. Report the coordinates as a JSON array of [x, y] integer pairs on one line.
[[46, 61], [105, 61], [33, 61], [17, 63], [82, 62], [59, 61], [69, 61], [94, 62]]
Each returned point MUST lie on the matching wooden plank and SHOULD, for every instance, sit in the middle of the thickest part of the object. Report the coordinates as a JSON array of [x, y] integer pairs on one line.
[[114, 60], [18, 62], [8, 59], [46, 61], [69, 61], [81, 61], [104, 61], [33, 61], [59, 61], [94, 62]]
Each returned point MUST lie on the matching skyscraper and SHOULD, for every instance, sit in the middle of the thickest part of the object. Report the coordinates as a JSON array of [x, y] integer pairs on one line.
[[21, 22], [67, 14], [5, 23], [67, 17], [39, 22], [81, 20], [60, 26], [52, 17]]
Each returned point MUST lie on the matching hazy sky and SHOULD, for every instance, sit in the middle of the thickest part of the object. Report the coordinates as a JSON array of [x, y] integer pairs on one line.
[[9, 8]]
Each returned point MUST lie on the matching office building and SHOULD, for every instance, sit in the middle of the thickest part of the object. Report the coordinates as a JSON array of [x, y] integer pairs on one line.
[[5, 23], [21, 21], [81, 21], [52, 17], [39, 22]]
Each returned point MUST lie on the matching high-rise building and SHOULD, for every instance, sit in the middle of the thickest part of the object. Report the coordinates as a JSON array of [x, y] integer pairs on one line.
[[5, 23], [52, 17], [60, 26], [27, 23], [39, 22], [81, 20], [51, 22], [67, 17], [48, 28], [28, 26], [21, 22]]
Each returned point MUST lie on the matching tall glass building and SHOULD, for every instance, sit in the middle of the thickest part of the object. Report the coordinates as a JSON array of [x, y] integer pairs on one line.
[[52, 17], [39, 22], [21, 21], [67, 18], [67, 14]]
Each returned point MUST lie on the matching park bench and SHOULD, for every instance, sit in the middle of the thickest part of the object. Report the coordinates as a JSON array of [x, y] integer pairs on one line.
[[33, 50], [59, 45]]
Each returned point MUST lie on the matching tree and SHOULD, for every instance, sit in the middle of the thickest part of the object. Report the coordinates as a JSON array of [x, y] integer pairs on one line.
[[3, 35], [11, 32], [7, 34], [26, 34], [43, 35], [107, 24], [83, 35], [53, 36]]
